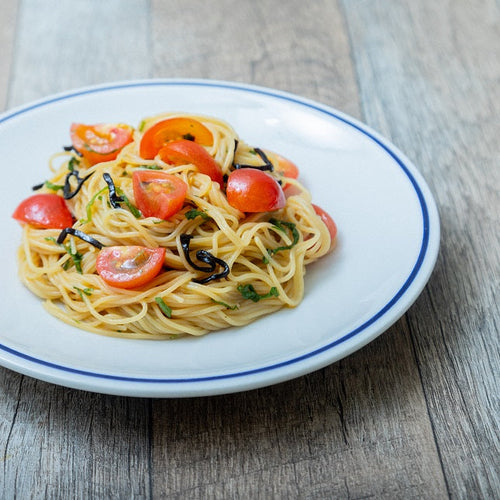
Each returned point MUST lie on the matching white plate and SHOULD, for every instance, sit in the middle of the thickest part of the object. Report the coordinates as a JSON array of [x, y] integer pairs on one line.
[[387, 244]]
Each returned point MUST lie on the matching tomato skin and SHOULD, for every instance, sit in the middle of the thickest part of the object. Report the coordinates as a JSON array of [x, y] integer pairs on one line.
[[100, 142], [285, 167], [45, 211], [173, 129], [158, 194], [252, 190], [182, 151], [129, 266], [330, 224]]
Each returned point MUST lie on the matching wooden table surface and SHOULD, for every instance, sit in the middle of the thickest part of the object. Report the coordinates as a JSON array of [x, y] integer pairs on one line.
[[412, 415]]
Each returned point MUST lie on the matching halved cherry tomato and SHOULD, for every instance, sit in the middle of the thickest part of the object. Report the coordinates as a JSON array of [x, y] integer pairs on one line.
[[129, 266], [285, 167], [252, 190], [158, 194], [325, 217], [182, 151], [101, 142], [291, 190], [173, 129], [46, 211]]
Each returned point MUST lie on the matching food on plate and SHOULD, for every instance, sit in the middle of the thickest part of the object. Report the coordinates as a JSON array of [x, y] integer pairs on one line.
[[176, 227]]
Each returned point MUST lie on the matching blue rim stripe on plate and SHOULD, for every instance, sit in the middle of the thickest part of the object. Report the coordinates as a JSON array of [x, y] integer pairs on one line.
[[285, 97]]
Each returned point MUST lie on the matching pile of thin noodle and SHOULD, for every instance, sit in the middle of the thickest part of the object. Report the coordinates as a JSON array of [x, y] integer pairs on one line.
[[241, 240]]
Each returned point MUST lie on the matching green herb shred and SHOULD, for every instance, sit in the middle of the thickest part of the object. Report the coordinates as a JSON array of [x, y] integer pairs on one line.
[[75, 257], [133, 210], [152, 167], [88, 208], [281, 225], [249, 292], [84, 291], [227, 306], [73, 163], [193, 213], [167, 311], [53, 187]]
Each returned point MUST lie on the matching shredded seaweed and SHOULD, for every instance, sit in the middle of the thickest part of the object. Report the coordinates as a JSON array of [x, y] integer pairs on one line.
[[266, 166], [79, 234], [207, 258]]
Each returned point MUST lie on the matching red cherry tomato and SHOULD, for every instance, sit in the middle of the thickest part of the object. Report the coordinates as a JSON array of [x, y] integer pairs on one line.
[[285, 167], [158, 194], [182, 151], [129, 266], [325, 217], [173, 129], [101, 142], [47, 211], [252, 190]]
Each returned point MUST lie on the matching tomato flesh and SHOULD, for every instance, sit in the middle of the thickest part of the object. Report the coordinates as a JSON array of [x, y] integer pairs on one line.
[[330, 224], [158, 194], [285, 167], [182, 151], [44, 210], [252, 190], [101, 142], [173, 129], [129, 266]]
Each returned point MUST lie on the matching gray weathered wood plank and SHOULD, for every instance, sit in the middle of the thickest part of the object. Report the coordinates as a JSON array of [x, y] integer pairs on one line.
[[62, 45], [429, 78]]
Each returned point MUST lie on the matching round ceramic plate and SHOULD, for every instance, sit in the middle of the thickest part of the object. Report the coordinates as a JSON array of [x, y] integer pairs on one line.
[[387, 245]]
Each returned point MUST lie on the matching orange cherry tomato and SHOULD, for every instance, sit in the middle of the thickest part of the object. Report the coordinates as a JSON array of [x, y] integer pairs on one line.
[[173, 129], [101, 142], [252, 190], [330, 224], [129, 266], [158, 194], [182, 151], [46, 211], [285, 167]]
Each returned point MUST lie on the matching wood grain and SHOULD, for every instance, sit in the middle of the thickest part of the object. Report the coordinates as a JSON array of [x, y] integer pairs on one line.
[[64, 45], [412, 415], [440, 66]]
